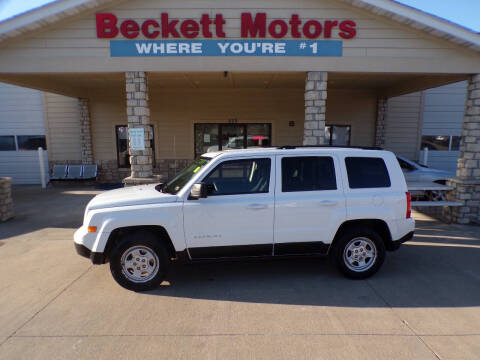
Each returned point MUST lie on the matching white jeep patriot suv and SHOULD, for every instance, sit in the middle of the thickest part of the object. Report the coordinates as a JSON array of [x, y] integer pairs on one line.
[[349, 203]]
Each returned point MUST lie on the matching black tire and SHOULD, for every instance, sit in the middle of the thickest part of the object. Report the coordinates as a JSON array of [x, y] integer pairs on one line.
[[340, 244], [152, 247]]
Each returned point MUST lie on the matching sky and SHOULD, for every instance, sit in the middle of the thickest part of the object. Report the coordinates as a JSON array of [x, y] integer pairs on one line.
[[463, 12]]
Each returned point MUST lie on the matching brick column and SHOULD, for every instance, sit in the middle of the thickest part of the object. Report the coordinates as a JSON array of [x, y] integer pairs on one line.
[[85, 133], [315, 108], [380, 125], [467, 183], [138, 114]]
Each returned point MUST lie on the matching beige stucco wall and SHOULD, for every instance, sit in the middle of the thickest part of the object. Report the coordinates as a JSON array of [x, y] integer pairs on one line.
[[174, 112], [62, 122], [380, 45], [403, 124], [107, 109], [356, 108]]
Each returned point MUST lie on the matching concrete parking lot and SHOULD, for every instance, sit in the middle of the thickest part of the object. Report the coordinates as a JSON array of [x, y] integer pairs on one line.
[[423, 304]]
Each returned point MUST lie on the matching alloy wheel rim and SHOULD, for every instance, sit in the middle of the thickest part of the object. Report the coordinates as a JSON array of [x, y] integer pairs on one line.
[[360, 254], [139, 264]]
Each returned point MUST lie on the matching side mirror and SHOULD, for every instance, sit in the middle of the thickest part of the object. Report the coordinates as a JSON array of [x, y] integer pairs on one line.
[[198, 191]]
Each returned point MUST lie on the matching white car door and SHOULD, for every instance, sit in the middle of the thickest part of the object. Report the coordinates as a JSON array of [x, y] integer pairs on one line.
[[309, 203], [236, 219]]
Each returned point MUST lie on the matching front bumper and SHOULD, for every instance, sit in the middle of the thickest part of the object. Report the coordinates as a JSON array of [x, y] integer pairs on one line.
[[84, 242], [95, 257]]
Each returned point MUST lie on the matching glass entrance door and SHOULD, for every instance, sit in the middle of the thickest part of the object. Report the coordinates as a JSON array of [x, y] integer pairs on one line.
[[233, 136], [338, 135], [215, 137]]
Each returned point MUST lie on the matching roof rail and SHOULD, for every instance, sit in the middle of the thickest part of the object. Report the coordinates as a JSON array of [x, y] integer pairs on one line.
[[289, 147]]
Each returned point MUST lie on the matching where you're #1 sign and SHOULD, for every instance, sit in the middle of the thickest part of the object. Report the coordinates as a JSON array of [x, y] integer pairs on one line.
[[145, 48]]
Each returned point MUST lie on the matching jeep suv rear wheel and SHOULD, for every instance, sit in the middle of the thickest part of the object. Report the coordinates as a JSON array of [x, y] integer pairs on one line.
[[359, 253], [139, 262]]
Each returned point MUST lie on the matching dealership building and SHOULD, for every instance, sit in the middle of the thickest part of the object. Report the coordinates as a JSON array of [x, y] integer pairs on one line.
[[143, 87]]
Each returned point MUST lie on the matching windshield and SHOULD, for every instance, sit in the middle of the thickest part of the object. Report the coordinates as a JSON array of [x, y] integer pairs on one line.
[[179, 181]]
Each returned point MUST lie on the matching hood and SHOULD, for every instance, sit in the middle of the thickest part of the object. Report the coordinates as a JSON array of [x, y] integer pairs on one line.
[[128, 196], [429, 174]]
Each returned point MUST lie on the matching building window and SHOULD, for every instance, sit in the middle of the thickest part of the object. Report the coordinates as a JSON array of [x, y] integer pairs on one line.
[[7, 143], [215, 137], [338, 135], [455, 143], [31, 142], [440, 142], [123, 159]]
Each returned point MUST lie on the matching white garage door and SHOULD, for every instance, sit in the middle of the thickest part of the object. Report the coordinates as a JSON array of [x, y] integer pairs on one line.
[[442, 125], [22, 130], [22, 166]]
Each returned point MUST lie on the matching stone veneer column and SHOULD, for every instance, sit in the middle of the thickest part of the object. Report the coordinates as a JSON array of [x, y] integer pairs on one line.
[[6, 203], [381, 122], [315, 108], [85, 133], [138, 114], [467, 183]]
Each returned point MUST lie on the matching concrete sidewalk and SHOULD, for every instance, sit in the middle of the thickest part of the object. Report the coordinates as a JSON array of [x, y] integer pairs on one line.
[[423, 304]]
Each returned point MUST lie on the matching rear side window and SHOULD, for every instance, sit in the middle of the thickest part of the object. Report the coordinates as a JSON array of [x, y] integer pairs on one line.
[[310, 173], [365, 172]]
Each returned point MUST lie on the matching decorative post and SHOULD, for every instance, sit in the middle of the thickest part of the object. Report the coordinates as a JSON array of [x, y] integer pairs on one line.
[[380, 126], [466, 186], [85, 133], [315, 108], [6, 202], [138, 113]]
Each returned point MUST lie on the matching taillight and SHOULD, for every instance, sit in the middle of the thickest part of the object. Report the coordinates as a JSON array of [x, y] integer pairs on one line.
[[409, 205]]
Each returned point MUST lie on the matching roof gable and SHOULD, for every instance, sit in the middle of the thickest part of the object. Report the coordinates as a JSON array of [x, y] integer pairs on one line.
[[48, 15], [61, 10], [420, 20]]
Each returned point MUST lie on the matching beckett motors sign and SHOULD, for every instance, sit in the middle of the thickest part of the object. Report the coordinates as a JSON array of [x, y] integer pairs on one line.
[[311, 35]]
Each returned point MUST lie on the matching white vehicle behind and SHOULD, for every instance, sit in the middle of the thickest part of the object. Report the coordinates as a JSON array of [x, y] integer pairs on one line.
[[415, 172]]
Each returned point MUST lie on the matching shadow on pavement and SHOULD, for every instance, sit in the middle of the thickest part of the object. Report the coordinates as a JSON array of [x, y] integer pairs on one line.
[[428, 272], [36, 208]]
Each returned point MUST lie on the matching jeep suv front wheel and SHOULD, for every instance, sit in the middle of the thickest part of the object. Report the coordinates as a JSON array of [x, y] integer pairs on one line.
[[139, 261], [359, 253]]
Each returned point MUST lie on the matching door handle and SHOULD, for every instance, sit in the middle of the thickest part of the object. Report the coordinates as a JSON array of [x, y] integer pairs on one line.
[[256, 206], [327, 203]]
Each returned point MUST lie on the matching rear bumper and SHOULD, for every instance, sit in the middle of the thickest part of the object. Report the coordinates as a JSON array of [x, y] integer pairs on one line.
[[95, 257], [394, 245]]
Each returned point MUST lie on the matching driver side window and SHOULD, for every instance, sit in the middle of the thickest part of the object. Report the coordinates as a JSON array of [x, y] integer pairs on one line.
[[249, 176]]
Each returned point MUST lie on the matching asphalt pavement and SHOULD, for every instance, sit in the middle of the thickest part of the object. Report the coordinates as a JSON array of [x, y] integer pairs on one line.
[[423, 304]]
